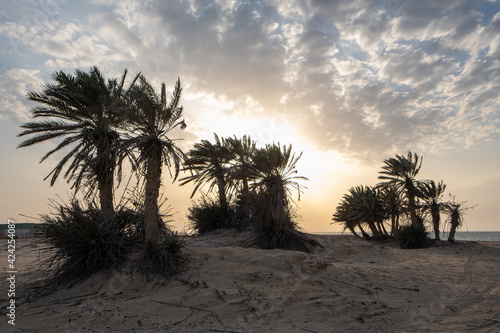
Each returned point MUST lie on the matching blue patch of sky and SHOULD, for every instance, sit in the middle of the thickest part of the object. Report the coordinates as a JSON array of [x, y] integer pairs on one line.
[[488, 9], [348, 49], [14, 54], [433, 46], [398, 87], [435, 97], [482, 53]]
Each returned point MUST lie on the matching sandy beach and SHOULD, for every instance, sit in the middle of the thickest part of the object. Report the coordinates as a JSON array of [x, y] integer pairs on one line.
[[348, 285]]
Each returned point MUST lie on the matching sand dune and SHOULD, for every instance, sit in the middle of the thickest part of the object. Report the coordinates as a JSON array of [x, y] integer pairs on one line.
[[348, 285]]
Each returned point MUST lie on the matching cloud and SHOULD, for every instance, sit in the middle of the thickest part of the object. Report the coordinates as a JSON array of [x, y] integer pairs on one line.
[[14, 86], [365, 79]]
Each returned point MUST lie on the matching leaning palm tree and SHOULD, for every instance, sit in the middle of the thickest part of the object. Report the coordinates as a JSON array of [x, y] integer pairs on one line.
[[400, 173], [365, 206], [345, 216], [84, 111], [208, 163], [455, 211], [432, 194], [152, 117]]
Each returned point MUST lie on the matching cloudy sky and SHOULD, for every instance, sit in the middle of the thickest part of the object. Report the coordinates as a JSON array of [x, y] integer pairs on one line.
[[349, 83]]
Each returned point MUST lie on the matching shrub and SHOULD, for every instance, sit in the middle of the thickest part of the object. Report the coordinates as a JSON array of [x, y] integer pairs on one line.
[[165, 258], [412, 237], [83, 242], [285, 239], [207, 215]]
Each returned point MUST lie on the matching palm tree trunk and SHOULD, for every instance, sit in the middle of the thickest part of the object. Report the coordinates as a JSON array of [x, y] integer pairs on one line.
[[413, 210], [375, 232], [351, 229], [106, 196], [393, 223], [384, 230], [246, 201], [453, 229], [436, 220], [105, 180], [151, 210], [221, 183], [363, 232]]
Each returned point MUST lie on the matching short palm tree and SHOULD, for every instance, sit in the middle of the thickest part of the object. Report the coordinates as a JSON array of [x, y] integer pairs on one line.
[[400, 173], [152, 117], [241, 171], [208, 163], [275, 169], [432, 193], [84, 111], [364, 205], [393, 204], [345, 216], [455, 211]]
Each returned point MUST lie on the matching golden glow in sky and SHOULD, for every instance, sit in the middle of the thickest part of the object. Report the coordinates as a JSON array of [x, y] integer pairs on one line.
[[348, 83]]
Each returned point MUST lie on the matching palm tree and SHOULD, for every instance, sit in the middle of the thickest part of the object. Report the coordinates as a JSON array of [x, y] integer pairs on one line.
[[393, 205], [275, 169], [455, 211], [344, 214], [241, 171], [84, 110], [400, 173], [151, 119], [209, 164], [432, 194], [363, 204]]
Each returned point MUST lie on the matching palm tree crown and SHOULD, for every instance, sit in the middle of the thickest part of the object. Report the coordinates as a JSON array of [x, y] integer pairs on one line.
[[149, 122], [208, 163], [84, 109], [275, 169], [432, 193], [400, 173]]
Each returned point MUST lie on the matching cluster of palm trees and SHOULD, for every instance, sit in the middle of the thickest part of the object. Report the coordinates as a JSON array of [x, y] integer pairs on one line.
[[100, 123], [366, 209], [255, 184]]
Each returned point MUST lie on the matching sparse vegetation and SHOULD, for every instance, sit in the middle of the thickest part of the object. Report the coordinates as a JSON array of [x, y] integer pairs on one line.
[[103, 123], [83, 242], [365, 210], [412, 237]]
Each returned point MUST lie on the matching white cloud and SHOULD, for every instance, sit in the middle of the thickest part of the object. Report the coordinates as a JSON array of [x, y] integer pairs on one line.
[[362, 78], [14, 86]]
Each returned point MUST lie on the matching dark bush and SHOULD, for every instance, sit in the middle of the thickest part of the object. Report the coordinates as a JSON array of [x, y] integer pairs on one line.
[[165, 258], [83, 242], [412, 237], [285, 239], [207, 215]]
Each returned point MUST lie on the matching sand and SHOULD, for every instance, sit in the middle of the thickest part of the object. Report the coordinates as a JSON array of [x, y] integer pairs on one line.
[[349, 285]]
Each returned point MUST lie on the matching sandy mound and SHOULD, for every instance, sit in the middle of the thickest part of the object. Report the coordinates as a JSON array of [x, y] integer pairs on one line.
[[349, 285]]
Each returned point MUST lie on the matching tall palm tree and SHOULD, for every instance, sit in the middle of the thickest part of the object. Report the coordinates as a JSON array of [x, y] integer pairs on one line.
[[432, 194], [208, 163], [152, 117], [455, 211], [400, 173], [275, 169], [84, 111]]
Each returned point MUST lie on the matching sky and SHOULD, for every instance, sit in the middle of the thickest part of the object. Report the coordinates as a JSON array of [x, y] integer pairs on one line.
[[348, 83]]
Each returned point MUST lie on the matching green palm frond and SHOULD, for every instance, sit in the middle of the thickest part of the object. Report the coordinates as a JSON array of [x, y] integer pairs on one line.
[[81, 109]]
